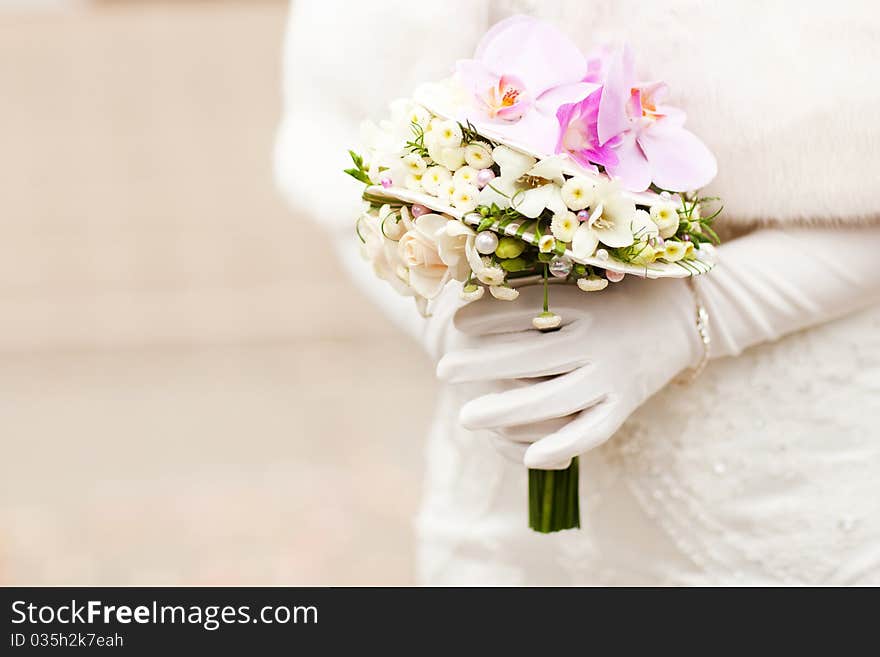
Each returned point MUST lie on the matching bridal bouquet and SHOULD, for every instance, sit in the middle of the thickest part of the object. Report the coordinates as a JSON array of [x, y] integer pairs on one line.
[[534, 164]]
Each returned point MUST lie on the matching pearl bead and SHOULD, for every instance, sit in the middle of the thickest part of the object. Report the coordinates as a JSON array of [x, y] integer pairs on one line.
[[418, 210], [687, 238], [486, 242], [602, 254], [484, 176], [583, 215], [560, 266], [614, 276], [385, 182]]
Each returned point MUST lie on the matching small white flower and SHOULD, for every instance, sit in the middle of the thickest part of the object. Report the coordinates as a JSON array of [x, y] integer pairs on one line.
[[577, 193], [447, 134], [504, 293], [472, 292], [464, 197], [690, 251], [546, 244], [446, 190], [525, 184], [451, 158], [413, 181], [665, 215], [414, 164], [478, 154], [563, 226], [491, 275], [434, 178], [673, 251], [465, 176], [592, 283], [546, 321]]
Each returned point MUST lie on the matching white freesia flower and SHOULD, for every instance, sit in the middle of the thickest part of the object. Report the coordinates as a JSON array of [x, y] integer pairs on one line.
[[465, 176], [413, 182], [612, 215], [665, 215], [643, 228], [584, 242], [433, 250], [447, 134], [434, 178], [592, 283], [577, 193], [547, 243], [464, 197], [503, 292], [474, 294], [673, 251], [526, 185], [415, 164], [478, 154], [563, 226]]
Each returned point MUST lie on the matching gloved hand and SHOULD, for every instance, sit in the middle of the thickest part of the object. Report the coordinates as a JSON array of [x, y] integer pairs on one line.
[[569, 391]]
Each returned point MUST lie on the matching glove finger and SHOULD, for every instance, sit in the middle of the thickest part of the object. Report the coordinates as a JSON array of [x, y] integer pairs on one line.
[[514, 356], [515, 453], [589, 429], [526, 434], [555, 397]]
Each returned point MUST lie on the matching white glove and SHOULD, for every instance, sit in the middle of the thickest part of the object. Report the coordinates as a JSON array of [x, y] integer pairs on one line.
[[569, 391]]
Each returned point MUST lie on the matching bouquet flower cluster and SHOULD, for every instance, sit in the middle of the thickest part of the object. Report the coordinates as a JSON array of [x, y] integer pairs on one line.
[[534, 164]]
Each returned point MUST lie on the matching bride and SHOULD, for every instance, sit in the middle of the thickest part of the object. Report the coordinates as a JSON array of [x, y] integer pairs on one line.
[[765, 472]]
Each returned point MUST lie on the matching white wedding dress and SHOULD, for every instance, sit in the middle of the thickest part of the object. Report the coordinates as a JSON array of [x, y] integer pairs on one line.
[[764, 472]]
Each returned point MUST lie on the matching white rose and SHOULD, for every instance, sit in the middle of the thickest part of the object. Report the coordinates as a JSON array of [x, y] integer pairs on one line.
[[434, 251], [380, 249]]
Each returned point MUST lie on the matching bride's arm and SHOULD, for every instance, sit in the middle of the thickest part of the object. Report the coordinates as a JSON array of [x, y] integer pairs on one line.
[[629, 341], [343, 62], [773, 282]]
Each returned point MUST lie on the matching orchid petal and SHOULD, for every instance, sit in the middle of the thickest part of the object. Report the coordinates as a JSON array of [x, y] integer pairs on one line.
[[533, 50], [552, 99], [632, 168], [679, 160], [615, 94], [550, 169]]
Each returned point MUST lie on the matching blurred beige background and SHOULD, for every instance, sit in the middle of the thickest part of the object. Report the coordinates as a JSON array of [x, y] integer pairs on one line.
[[183, 399]]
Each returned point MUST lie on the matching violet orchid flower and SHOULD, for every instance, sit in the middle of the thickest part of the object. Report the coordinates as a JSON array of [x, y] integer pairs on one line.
[[579, 134], [652, 144], [523, 70]]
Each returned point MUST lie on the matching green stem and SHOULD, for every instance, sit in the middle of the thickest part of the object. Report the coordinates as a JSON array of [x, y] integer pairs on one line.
[[553, 499], [546, 290]]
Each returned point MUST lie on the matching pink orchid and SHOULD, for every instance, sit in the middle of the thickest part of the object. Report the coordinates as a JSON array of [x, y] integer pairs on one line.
[[579, 133], [652, 145], [523, 70]]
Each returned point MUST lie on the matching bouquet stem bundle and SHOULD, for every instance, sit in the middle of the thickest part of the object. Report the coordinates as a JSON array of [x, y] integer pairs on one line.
[[554, 503]]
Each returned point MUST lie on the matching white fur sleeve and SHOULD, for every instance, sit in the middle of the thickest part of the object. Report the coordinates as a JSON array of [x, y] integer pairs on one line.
[[773, 282], [345, 62]]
